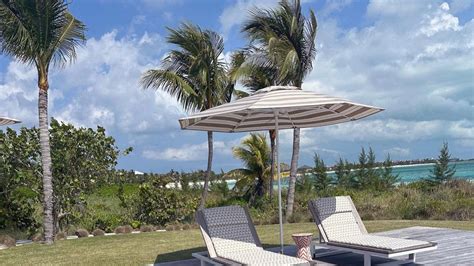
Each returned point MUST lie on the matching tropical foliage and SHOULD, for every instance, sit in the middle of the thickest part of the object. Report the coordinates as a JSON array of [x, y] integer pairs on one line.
[[40, 33], [285, 40], [255, 155], [195, 74], [82, 159]]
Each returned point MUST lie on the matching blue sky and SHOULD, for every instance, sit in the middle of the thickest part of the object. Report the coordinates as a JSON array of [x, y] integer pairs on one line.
[[414, 58]]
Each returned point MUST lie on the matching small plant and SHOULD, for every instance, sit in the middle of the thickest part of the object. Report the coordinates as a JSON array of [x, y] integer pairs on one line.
[[125, 229], [7, 240], [135, 224], [147, 228], [98, 232], [60, 236]]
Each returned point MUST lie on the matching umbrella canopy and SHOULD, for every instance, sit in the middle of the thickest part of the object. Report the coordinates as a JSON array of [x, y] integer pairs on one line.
[[4, 121], [296, 109], [278, 107]]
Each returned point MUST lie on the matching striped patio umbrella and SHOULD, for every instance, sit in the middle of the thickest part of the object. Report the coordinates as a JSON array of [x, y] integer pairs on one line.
[[4, 121], [278, 107]]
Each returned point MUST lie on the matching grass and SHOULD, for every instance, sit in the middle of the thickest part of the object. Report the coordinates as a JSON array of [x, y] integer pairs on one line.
[[146, 248]]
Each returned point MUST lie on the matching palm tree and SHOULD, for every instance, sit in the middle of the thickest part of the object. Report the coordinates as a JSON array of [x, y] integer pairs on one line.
[[288, 38], [255, 76], [195, 74], [40, 33], [255, 155]]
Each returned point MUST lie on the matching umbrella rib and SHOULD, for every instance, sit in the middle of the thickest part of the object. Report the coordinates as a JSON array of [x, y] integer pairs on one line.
[[332, 111], [242, 120], [289, 118]]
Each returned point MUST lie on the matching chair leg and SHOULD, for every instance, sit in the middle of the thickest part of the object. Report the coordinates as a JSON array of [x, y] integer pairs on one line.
[[367, 260], [412, 257]]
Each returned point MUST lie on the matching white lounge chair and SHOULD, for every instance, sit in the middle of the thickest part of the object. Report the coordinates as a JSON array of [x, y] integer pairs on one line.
[[340, 228], [231, 239]]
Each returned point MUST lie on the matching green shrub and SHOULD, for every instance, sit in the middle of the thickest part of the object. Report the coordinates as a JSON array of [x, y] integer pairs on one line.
[[135, 224], [81, 233], [98, 232], [161, 205], [7, 241]]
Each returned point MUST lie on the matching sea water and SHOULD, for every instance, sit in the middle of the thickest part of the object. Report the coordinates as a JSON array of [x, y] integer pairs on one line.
[[409, 173]]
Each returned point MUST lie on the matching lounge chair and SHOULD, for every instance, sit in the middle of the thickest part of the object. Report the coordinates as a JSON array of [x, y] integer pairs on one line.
[[231, 239], [341, 229]]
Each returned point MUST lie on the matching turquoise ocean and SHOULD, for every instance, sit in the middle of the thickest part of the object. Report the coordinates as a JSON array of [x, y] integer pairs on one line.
[[410, 173]]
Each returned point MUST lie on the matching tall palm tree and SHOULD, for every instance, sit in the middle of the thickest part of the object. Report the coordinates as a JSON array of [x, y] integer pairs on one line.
[[288, 38], [41, 32], [255, 155], [195, 74]]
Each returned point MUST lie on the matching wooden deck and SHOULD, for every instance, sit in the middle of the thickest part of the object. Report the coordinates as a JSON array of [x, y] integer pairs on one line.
[[455, 247]]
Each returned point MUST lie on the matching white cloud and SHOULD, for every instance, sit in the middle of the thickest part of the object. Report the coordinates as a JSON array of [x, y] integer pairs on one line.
[[441, 20], [189, 152], [394, 130], [398, 151], [101, 87], [236, 14]]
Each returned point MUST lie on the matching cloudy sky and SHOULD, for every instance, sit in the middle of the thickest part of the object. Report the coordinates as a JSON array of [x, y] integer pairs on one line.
[[413, 58]]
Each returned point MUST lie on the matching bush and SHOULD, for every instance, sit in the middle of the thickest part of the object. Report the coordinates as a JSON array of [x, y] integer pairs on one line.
[[7, 240], [98, 232], [60, 236], [135, 224], [147, 228], [125, 229], [81, 233], [161, 205]]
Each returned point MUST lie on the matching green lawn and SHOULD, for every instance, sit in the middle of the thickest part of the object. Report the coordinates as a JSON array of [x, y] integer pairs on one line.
[[146, 248]]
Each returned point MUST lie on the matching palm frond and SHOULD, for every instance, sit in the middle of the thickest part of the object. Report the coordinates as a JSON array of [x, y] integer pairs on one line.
[[16, 38], [193, 72], [287, 37], [174, 84], [71, 36], [39, 32]]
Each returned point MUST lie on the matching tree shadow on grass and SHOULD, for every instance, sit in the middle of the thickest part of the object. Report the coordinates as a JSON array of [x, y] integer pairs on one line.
[[183, 254]]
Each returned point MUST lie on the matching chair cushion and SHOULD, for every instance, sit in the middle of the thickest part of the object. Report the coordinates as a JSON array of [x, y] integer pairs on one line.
[[379, 243]]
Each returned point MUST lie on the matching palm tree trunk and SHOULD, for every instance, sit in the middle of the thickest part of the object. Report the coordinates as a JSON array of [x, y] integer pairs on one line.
[[209, 169], [48, 222], [294, 167], [272, 167]]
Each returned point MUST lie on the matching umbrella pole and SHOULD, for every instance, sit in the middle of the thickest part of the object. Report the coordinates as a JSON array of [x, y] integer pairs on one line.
[[277, 151]]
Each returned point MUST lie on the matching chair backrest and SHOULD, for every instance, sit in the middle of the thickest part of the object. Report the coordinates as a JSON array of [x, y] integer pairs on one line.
[[226, 229], [336, 217]]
